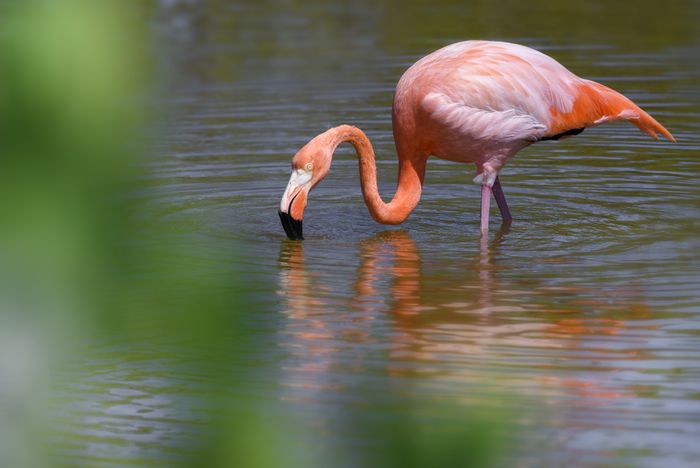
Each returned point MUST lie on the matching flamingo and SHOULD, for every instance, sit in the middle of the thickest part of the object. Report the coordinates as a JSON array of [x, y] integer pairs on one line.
[[474, 102]]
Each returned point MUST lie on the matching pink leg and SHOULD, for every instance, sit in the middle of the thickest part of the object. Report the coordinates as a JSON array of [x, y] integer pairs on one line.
[[501, 201], [485, 205]]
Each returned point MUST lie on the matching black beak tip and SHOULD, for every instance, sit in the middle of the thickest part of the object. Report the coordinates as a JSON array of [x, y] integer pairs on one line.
[[291, 226]]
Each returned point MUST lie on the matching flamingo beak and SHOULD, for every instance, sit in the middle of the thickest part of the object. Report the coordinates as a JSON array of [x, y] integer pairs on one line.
[[293, 202], [291, 226]]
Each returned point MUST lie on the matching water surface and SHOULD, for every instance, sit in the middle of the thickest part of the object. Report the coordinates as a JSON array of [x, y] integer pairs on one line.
[[585, 311]]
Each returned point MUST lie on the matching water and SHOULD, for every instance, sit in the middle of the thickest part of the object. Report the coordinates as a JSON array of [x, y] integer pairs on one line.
[[585, 311]]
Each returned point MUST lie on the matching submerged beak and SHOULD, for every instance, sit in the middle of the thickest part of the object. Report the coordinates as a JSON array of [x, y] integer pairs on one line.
[[291, 226], [293, 202]]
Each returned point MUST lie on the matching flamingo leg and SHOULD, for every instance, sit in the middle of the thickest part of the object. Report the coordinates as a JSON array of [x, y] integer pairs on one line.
[[501, 201], [485, 205]]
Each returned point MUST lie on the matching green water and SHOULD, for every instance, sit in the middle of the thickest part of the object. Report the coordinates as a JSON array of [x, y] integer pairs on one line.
[[582, 319]]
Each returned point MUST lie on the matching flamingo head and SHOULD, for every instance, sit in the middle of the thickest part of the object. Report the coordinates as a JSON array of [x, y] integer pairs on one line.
[[309, 166]]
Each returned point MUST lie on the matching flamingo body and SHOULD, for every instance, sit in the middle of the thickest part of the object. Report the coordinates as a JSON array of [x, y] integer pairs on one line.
[[481, 102], [474, 102]]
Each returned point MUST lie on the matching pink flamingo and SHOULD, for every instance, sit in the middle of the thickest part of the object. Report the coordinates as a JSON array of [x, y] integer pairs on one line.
[[474, 102]]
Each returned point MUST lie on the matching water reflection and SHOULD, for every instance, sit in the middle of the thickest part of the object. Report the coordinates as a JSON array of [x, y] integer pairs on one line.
[[391, 256], [464, 337], [392, 288], [425, 318]]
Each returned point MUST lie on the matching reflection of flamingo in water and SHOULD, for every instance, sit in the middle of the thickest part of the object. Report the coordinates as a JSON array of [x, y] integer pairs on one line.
[[481, 322], [474, 102], [459, 320], [398, 248]]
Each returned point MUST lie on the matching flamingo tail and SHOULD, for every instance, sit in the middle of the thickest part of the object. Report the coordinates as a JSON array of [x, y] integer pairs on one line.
[[612, 106]]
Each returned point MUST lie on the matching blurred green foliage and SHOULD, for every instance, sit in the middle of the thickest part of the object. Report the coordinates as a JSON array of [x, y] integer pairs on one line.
[[69, 125], [82, 259], [77, 240]]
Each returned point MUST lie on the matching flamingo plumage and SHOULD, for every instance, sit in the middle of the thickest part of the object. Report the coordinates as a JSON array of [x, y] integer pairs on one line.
[[474, 102]]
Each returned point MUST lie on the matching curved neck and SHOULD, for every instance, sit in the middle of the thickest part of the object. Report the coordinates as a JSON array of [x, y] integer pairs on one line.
[[410, 180]]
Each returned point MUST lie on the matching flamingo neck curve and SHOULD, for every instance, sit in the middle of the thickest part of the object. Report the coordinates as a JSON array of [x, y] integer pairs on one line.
[[410, 180]]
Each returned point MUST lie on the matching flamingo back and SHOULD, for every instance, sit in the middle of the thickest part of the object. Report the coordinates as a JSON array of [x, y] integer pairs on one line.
[[484, 99]]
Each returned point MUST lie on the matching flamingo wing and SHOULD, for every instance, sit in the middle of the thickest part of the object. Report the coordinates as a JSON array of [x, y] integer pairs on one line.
[[483, 124], [511, 92]]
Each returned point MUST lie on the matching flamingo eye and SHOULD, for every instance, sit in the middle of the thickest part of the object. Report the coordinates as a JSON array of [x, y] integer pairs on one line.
[[309, 166]]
